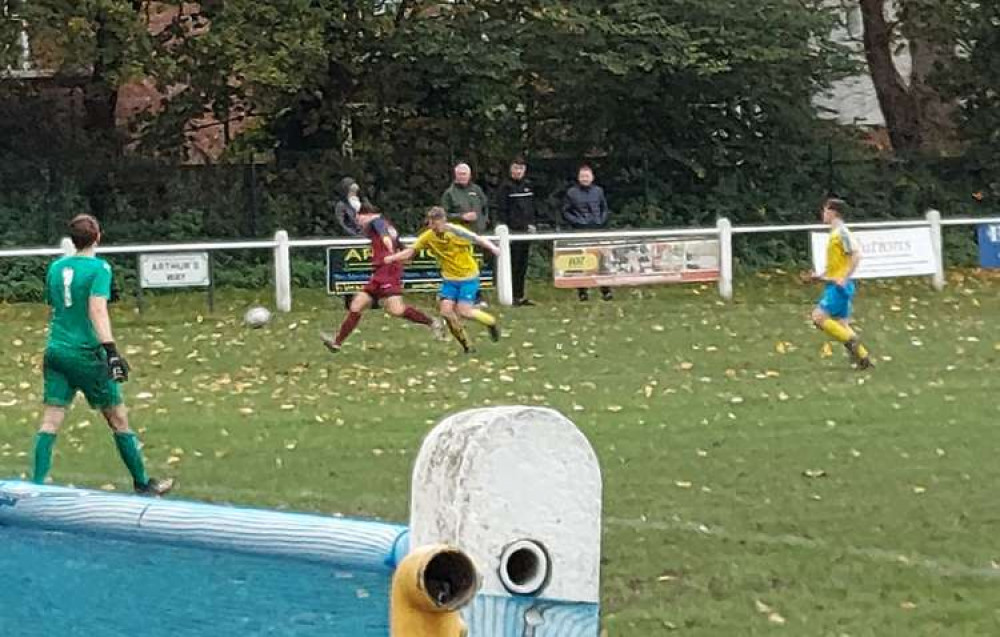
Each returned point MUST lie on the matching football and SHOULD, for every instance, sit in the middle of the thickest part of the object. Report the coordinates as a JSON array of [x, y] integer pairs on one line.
[[257, 317]]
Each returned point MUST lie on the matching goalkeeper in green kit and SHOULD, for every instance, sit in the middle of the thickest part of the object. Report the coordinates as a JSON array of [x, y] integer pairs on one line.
[[81, 355]]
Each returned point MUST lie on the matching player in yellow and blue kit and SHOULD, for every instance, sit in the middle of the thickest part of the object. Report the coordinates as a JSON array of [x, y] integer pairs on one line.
[[833, 312], [452, 245], [81, 355]]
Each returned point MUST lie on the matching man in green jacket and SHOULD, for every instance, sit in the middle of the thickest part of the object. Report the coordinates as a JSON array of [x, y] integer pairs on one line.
[[465, 202]]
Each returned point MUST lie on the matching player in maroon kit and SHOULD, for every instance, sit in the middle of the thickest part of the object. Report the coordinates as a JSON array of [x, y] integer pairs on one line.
[[386, 284]]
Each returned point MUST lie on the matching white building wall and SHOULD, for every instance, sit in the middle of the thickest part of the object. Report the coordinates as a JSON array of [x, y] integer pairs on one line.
[[853, 101]]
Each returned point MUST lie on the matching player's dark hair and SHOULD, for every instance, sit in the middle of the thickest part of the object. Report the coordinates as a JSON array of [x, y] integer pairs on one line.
[[837, 205], [584, 167], [84, 231], [435, 213], [518, 161]]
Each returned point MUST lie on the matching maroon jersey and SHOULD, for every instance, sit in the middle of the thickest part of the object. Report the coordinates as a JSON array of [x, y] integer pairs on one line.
[[387, 280], [376, 231]]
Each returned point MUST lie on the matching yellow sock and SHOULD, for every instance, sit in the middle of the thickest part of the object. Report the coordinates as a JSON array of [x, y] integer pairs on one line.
[[837, 330], [456, 329], [862, 351], [484, 318]]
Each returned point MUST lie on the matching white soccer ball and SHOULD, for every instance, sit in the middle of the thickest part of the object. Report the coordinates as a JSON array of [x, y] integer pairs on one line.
[[257, 317]]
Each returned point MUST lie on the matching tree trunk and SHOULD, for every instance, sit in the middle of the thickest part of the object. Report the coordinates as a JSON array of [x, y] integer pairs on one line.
[[100, 95], [931, 57], [899, 107]]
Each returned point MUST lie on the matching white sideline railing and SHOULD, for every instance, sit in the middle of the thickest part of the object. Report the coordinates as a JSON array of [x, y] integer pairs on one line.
[[282, 245]]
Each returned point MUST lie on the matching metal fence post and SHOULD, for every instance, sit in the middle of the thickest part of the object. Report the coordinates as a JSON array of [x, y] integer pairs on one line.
[[937, 245], [505, 289], [282, 272], [725, 228]]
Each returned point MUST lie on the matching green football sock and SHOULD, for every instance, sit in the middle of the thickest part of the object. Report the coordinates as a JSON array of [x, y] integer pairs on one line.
[[128, 449], [43, 456]]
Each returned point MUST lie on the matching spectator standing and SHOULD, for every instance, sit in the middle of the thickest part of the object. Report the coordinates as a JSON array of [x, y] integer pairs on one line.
[[346, 210], [348, 205], [586, 208], [465, 204], [516, 209]]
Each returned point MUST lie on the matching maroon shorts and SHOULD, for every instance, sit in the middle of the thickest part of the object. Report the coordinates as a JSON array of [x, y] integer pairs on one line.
[[386, 281]]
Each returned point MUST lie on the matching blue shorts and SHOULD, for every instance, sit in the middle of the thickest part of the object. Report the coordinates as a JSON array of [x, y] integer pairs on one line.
[[838, 301], [459, 291]]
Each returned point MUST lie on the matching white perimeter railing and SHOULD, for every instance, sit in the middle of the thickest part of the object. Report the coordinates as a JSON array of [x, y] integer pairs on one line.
[[282, 245]]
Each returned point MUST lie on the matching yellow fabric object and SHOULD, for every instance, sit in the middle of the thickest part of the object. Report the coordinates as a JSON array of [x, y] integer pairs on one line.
[[453, 251], [484, 318], [837, 330], [839, 249]]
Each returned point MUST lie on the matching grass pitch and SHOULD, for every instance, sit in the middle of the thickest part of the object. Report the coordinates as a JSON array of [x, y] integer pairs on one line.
[[753, 484]]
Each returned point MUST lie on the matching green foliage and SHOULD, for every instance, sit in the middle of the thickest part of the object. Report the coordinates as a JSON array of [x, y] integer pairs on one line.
[[689, 111], [79, 36]]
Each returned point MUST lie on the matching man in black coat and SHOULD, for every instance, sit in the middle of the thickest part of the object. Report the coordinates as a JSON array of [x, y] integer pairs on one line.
[[516, 208], [345, 211], [347, 206], [585, 208]]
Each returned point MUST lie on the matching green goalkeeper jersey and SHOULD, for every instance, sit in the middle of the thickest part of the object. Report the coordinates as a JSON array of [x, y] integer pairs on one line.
[[70, 283]]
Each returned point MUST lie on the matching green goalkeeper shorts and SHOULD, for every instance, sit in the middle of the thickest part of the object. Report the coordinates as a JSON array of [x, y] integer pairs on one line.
[[68, 371]]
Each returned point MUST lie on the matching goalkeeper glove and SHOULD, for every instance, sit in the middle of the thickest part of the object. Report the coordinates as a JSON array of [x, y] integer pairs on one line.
[[117, 365]]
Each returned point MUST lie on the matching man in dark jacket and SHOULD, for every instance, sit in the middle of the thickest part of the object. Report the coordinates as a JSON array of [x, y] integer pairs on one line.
[[516, 209], [465, 204], [585, 208], [345, 210], [349, 202]]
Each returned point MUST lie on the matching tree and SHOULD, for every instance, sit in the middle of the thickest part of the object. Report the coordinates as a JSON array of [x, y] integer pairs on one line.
[[105, 43], [918, 116], [231, 64]]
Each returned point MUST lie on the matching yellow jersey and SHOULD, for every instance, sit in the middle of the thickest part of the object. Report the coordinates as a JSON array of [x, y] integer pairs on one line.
[[839, 249], [453, 251]]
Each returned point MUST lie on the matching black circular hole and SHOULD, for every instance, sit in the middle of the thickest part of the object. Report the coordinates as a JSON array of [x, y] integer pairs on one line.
[[522, 567], [449, 578]]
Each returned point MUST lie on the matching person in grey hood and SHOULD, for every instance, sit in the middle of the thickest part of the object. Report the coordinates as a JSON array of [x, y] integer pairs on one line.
[[346, 209], [349, 202], [585, 208]]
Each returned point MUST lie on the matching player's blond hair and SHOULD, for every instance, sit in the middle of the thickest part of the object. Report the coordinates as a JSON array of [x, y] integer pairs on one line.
[[436, 213]]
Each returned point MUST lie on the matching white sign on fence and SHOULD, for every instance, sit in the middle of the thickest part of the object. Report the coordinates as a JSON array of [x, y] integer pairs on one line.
[[175, 270], [884, 253]]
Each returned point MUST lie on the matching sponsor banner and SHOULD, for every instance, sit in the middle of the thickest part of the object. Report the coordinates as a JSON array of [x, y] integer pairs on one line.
[[175, 270], [622, 262], [348, 269], [989, 245], [889, 253]]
